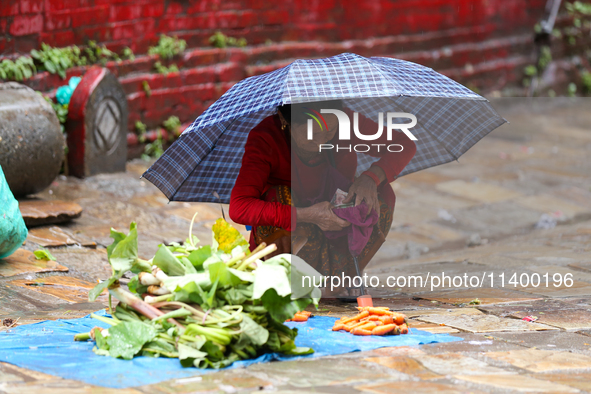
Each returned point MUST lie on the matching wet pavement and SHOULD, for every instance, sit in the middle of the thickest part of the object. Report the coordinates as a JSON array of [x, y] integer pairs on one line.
[[519, 202]]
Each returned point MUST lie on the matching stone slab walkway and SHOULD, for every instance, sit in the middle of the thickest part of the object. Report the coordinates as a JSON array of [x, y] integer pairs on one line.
[[481, 214]]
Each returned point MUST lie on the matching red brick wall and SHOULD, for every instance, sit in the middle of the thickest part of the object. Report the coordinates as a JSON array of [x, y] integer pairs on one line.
[[481, 43], [24, 24]]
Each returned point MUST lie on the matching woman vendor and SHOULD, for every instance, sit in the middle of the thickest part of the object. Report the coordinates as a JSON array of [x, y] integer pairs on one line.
[[286, 184]]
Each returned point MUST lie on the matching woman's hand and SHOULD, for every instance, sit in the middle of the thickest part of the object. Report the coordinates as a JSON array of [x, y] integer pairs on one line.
[[321, 214], [364, 188]]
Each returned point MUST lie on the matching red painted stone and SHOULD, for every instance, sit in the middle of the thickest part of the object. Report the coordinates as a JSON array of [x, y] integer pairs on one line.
[[97, 113]]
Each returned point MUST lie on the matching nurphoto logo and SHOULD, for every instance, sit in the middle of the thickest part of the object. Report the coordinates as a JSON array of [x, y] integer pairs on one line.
[[345, 129]]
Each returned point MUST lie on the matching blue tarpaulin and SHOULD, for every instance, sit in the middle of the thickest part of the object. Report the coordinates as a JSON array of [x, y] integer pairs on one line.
[[49, 347]]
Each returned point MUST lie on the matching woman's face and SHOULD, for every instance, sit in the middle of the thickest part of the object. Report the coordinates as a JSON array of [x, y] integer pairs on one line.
[[299, 134]]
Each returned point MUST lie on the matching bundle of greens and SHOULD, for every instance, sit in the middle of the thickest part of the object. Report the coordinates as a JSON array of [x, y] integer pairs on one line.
[[206, 305]]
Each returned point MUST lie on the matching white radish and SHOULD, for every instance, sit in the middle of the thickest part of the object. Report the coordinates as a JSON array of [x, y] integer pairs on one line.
[[148, 279], [157, 290]]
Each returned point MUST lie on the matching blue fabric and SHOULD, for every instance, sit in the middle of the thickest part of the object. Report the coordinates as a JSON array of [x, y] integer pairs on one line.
[[49, 347], [208, 155]]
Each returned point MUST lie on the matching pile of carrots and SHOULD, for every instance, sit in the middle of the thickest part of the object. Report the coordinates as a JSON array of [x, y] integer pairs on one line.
[[301, 316], [373, 321]]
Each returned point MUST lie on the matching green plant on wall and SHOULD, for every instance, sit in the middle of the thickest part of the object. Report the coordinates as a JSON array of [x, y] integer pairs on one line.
[[94, 53], [127, 54], [57, 60], [141, 129], [220, 40], [172, 125], [578, 10], [162, 69], [146, 88], [154, 149], [168, 47], [17, 70]]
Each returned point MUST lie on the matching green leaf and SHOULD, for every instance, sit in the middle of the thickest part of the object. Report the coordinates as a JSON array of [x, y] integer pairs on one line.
[[283, 308], [124, 253], [198, 257], [49, 66], [273, 342], [212, 350], [126, 339], [100, 340], [158, 345], [271, 276], [255, 333], [117, 237], [299, 351], [167, 262], [236, 296], [227, 237], [219, 272], [243, 275], [189, 287], [42, 254], [189, 269], [136, 287], [188, 355], [98, 289]]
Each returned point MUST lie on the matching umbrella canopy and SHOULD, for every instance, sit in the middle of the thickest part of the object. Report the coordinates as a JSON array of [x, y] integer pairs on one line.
[[206, 158]]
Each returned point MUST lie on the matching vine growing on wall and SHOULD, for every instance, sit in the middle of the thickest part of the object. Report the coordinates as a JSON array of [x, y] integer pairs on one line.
[[58, 60]]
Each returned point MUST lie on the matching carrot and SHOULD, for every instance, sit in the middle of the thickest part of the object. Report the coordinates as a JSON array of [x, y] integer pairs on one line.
[[373, 318], [338, 327], [367, 326], [359, 316], [386, 319], [305, 313], [396, 331], [365, 308], [399, 319], [377, 311], [357, 324], [383, 330], [360, 331], [378, 323], [288, 320], [404, 329], [300, 318]]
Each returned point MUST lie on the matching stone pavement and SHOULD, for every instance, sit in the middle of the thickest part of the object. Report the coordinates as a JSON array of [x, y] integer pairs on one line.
[[468, 217]]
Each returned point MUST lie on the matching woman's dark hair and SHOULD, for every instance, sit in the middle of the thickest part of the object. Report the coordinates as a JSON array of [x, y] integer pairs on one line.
[[297, 112]]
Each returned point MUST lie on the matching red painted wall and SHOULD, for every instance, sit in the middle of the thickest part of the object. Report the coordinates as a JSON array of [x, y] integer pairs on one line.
[[484, 44], [24, 24]]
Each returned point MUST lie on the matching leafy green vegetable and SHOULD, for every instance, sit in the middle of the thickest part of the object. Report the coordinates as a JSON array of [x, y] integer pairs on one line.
[[167, 262], [43, 254], [189, 355], [126, 339], [198, 257], [216, 305]]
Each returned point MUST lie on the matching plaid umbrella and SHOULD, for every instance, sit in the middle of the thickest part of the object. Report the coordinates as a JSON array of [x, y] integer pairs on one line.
[[206, 158]]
